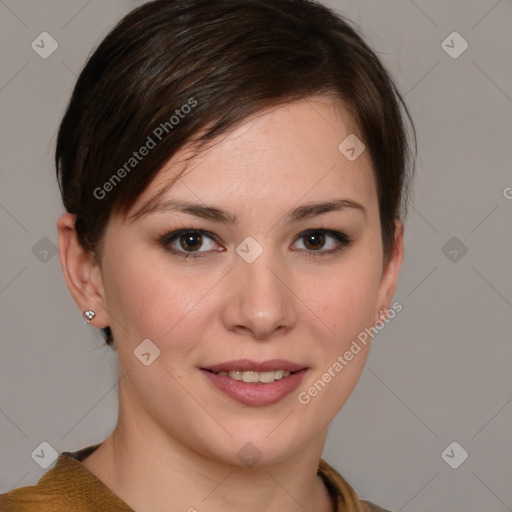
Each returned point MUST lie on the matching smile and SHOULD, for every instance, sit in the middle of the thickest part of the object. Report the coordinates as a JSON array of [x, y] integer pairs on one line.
[[255, 384], [252, 376]]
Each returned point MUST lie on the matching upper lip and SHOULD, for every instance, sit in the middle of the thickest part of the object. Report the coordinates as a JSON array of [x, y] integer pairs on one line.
[[247, 365]]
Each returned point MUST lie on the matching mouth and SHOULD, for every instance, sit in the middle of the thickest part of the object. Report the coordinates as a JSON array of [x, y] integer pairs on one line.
[[254, 376], [256, 384], [246, 370]]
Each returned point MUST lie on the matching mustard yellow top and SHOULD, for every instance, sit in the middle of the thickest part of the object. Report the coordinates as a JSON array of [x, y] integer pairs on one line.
[[70, 487]]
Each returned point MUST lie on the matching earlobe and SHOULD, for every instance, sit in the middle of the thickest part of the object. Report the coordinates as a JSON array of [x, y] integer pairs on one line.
[[390, 272], [81, 273]]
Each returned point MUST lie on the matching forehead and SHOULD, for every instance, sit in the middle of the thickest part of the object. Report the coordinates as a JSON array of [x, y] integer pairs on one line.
[[276, 158]]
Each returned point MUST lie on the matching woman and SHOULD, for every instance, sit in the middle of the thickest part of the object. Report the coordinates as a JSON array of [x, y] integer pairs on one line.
[[235, 175]]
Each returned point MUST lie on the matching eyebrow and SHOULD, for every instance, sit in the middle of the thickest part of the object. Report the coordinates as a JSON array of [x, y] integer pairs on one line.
[[215, 214]]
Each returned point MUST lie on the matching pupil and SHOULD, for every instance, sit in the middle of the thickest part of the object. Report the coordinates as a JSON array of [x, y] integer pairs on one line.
[[318, 237], [189, 241]]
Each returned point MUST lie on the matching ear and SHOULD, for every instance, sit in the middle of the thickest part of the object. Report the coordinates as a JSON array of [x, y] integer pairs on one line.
[[390, 272], [81, 273]]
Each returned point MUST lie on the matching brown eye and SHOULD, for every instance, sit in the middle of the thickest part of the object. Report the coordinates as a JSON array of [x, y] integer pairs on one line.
[[314, 240], [191, 241], [322, 242]]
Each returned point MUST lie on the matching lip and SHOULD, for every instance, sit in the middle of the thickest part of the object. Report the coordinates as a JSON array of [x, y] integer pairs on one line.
[[256, 394], [247, 365]]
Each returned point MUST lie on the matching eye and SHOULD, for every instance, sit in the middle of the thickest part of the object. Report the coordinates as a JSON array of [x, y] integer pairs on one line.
[[186, 242], [316, 239]]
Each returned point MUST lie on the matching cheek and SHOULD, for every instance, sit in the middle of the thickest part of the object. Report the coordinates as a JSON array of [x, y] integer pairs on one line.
[[152, 299], [345, 304], [344, 299], [133, 291]]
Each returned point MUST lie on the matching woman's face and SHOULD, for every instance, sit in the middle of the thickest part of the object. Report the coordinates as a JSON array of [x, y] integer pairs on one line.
[[251, 291]]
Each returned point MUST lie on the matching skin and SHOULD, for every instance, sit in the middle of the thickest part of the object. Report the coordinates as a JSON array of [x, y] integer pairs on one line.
[[176, 442]]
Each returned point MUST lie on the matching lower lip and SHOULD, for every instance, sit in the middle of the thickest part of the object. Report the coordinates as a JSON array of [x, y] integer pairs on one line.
[[256, 393]]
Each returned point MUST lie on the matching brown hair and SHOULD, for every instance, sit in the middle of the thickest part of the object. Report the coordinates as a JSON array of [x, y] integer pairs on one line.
[[171, 69]]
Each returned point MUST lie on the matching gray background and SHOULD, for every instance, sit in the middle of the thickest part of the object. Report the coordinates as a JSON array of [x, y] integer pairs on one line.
[[439, 372]]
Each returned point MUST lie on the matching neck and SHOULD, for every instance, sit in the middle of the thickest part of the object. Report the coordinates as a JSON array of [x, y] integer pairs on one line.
[[150, 470]]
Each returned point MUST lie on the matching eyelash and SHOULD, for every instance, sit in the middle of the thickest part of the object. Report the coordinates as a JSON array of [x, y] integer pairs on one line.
[[167, 239]]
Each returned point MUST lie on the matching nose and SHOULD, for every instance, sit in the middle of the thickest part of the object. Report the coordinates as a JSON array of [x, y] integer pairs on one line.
[[259, 300]]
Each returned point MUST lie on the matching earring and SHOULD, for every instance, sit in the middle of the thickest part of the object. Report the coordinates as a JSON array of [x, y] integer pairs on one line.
[[88, 315], [382, 314]]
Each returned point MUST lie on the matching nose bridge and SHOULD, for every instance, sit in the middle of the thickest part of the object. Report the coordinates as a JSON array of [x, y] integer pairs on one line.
[[259, 300], [257, 266]]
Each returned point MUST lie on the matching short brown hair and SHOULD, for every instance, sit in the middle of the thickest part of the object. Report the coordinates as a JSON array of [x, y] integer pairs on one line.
[[228, 59]]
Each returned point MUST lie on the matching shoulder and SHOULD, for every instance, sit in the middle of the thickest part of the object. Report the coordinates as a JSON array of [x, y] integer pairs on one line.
[[44, 496], [67, 486], [41, 497], [27, 499], [342, 492]]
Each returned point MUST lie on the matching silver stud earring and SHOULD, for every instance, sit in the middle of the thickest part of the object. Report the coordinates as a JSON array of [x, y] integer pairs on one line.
[[88, 315]]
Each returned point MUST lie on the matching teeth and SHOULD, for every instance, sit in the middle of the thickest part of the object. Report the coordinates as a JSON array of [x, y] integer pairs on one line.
[[266, 376], [249, 376]]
